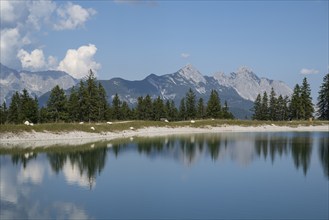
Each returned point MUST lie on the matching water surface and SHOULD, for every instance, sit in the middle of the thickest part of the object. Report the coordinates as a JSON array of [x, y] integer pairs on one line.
[[240, 175]]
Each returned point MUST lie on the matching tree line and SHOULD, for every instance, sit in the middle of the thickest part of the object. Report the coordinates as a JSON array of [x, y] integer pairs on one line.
[[298, 107], [88, 102]]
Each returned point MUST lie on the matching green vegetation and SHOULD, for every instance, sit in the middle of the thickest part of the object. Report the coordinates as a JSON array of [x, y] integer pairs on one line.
[[323, 99], [299, 107], [88, 103], [125, 125]]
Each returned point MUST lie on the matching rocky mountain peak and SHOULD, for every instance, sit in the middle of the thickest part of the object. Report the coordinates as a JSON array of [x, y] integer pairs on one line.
[[190, 73]]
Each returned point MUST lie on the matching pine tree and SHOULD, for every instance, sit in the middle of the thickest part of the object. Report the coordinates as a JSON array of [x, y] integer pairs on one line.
[[73, 105], [57, 105], [264, 107], [280, 114], [226, 112], [323, 99], [306, 100], [116, 107], [285, 106], [29, 107], [158, 109], [213, 109], [14, 113], [102, 103], [125, 111], [92, 98], [3, 113], [273, 107], [83, 106], [295, 107], [182, 110], [201, 109], [190, 104], [257, 109], [148, 105], [171, 110]]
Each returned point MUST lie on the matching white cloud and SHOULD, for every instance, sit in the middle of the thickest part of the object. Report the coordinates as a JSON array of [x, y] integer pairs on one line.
[[73, 175], [23, 21], [185, 55], [72, 16], [78, 62], [306, 71], [40, 12], [12, 12], [33, 172]]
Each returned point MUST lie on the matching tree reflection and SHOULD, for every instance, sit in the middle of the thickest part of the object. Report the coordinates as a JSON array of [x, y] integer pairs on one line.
[[23, 158], [261, 144], [301, 148], [324, 154], [90, 162], [213, 144]]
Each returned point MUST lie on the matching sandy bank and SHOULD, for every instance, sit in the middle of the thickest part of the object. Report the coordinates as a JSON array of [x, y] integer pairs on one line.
[[38, 139]]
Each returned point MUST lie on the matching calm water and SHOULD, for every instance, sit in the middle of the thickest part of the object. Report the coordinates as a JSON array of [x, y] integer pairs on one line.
[[242, 175]]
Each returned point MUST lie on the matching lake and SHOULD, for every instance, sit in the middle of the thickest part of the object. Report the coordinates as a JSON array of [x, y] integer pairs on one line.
[[203, 176]]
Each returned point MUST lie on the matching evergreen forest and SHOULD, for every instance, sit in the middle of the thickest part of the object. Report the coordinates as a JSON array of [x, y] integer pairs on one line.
[[270, 107], [87, 102]]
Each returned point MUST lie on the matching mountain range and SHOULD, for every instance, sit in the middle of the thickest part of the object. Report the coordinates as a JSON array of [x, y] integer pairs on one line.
[[239, 88]]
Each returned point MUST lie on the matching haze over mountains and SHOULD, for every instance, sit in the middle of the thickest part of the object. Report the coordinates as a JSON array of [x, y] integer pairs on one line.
[[239, 88]]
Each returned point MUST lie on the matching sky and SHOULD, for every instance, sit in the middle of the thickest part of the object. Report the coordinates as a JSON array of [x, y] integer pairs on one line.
[[281, 40]]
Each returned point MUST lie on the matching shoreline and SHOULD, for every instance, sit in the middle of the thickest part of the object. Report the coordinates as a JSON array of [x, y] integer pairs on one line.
[[48, 139]]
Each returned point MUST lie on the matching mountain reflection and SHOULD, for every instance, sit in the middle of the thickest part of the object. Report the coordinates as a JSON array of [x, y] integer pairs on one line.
[[82, 164]]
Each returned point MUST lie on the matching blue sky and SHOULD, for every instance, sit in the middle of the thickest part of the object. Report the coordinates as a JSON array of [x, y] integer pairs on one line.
[[283, 40]]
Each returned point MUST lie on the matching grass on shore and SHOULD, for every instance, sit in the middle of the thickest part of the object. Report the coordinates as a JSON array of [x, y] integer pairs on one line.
[[125, 125]]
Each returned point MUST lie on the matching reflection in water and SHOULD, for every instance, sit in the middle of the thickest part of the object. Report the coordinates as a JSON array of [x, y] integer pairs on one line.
[[324, 154], [299, 145], [301, 148], [82, 167], [22, 173], [79, 167]]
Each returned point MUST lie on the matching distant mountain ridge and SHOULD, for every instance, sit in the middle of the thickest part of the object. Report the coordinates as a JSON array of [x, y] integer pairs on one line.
[[239, 88], [248, 85], [36, 83]]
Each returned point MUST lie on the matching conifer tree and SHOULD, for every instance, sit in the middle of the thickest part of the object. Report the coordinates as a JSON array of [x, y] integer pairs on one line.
[[171, 110], [158, 109], [125, 111], [57, 105], [148, 105], [29, 107], [83, 106], [323, 99], [73, 105], [264, 107], [102, 103], [213, 109], [273, 107], [190, 104], [306, 100], [182, 110], [3, 113], [257, 109], [116, 107], [226, 112], [92, 98], [14, 113], [201, 113], [140, 108], [295, 107]]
